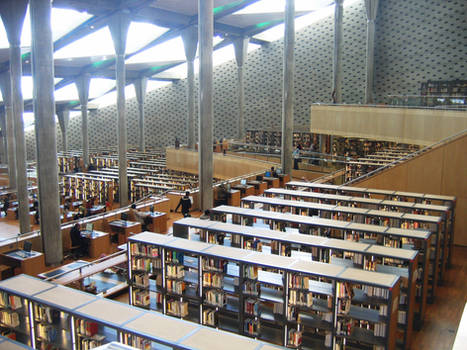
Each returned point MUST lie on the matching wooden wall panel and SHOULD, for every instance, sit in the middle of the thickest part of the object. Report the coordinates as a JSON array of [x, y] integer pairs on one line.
[[424, 174], [405, 125], [442, 170]]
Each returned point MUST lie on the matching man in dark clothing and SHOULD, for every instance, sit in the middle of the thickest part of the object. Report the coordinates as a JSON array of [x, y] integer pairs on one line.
[[185, 202], [78, 241]]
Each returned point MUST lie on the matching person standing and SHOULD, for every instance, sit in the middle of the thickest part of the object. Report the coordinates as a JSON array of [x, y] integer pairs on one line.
[[296, 157], [185, 202]]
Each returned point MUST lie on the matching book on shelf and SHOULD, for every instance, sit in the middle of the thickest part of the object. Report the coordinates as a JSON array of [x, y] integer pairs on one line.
[[177, 287], [209, 317], [175, 271], [252, 307], [137, 342], [250, 272], [294, 337], [376, 292], [141, 297], [212, 279], [9, 318], [177, 308], [10, 301], [252, 326], [301, 298], [210, 264]]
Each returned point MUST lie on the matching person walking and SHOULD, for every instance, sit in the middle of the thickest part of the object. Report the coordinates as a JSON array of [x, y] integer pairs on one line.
[[185, 202]]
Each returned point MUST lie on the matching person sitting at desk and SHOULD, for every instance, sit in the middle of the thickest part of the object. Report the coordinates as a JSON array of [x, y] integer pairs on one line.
[[185, 202], [6, 204], [78, 241], [273, 172], [137, 216]]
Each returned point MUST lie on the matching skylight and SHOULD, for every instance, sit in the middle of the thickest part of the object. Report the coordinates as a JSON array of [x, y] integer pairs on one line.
[[140, 34], [99, 87], [171, 50], [98, 43], [277, 32], [274, 6], [63, 21]]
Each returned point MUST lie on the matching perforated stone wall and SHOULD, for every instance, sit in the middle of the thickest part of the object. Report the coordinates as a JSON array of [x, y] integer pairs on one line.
[[416, 40]]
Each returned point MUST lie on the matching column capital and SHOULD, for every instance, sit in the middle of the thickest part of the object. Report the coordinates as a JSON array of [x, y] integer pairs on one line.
[[190, 42], [241, 49], [118, 26]]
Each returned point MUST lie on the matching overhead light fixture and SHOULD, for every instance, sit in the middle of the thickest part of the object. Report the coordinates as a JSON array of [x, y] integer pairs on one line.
[[91, 26]]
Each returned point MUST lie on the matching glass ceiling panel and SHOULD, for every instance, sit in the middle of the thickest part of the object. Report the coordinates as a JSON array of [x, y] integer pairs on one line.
[[100, 86], [140, 34], [98, 43], [277, 32], [69, 92], [274, 6], [63, 21], [171, 50]]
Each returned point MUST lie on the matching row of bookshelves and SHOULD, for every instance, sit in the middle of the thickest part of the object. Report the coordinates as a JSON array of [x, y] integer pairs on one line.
[[416, 203], [386, 218], [50, 316], [269, 295], [383, 259]]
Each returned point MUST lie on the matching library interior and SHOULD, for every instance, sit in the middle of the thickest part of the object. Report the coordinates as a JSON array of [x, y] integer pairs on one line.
[[233, 174]]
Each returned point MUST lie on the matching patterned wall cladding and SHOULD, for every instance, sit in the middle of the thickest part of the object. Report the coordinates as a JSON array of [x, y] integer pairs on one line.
[[409, 49], [418, 41]]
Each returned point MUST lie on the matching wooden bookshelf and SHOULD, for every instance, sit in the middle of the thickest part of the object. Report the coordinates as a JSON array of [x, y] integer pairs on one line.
[[419, 202], [401, 262], [55, 316], [258, 292], [388, 236]]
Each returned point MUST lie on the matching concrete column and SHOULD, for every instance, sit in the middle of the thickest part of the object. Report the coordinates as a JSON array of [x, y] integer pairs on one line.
[[44, 118], [3, 159], [119, 29], [13, 13], [371, 10], [206, 28], [241, 50], [337, 57], [288, 91], [82, 84], [63, 120], [5, 85], [140, 88], [190, 42]]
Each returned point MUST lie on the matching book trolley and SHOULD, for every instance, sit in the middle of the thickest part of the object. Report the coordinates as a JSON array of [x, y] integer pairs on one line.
[[51, 316], [386, 236], [434, 224], [279, 299], [419, 202], [401, 262]]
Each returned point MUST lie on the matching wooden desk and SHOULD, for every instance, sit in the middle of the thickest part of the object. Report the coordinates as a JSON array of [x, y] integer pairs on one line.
[[97, 209], [233, 198], [159, 221], [283, 179], [124, 228], [99, 243], [245, 190], [272, 181], [260, 187], [32, 264]]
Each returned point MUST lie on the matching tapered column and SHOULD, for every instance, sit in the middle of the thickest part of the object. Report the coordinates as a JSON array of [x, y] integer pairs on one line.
[[82, 84], [63, 120], [119, 29], [371, 10], [140, 88], [206, 28], [44, 118], [190, 42], [5, 85], [337, 57], [241, 50], [288, 90], [13, 12]]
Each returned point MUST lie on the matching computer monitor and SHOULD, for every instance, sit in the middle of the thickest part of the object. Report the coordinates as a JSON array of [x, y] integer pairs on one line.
[[268, 174], [124, 216], [89, 227], [27, 246], [243, 182], [278, 171]]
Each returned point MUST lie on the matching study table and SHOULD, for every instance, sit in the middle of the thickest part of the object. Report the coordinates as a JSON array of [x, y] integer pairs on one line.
[[158, 221], [99, 243], [245, 190], [272, 181], [123, 228], [30, 263], [260, 186]]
